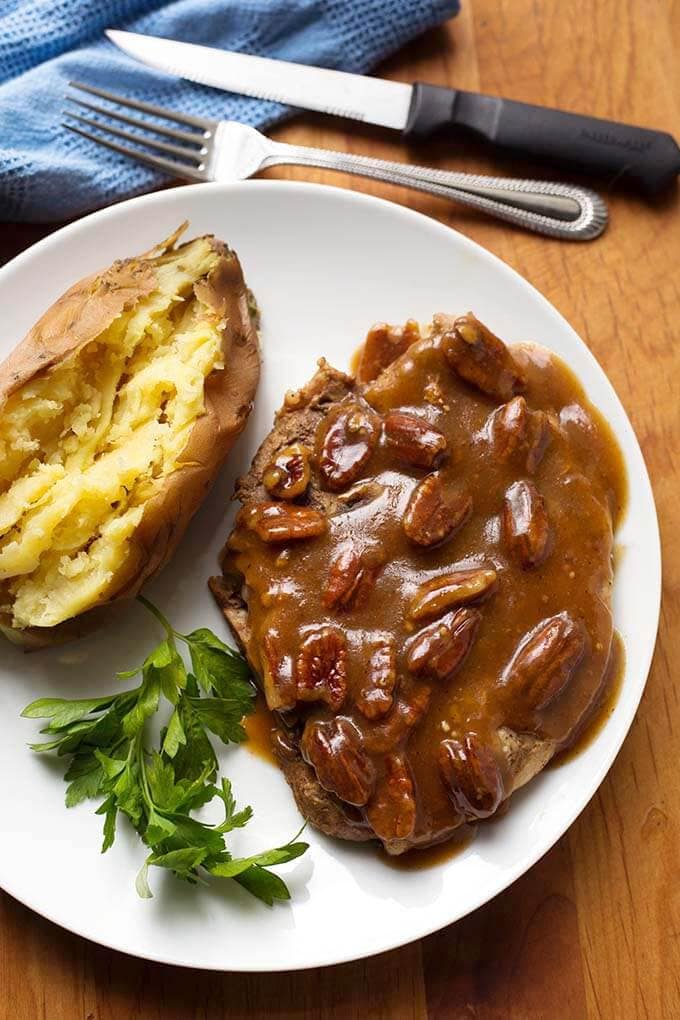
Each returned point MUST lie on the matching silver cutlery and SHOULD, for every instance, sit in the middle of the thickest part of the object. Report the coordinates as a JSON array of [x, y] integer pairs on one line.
[[644, 157], [208, 150]]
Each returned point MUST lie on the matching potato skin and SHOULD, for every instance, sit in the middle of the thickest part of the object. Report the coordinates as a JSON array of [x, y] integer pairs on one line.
[[78, 317]]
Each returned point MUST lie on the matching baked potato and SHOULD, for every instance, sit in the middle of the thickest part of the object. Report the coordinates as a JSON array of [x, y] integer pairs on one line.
[[116, 411]]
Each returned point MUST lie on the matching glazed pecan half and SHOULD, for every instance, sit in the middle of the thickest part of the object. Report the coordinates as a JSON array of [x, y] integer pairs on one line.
[[520, 434], [431, 517], [392, 808], [543, 665], [472, 777], [281, 522], [348, 438], [351, 576], [456, 588], [334, 750], [321, 667], [526, 527], [383, 345], [375, 697], [479, 357], [439, 649], [288, 475], [413, 440]]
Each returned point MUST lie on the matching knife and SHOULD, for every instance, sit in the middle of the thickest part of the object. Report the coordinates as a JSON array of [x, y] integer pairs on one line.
[[650, 159]]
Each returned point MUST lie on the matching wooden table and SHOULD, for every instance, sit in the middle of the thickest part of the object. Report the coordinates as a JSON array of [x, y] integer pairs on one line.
[[593, 930]]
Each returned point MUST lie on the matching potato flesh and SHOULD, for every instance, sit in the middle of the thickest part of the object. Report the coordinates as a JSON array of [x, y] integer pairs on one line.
[[86, 444]]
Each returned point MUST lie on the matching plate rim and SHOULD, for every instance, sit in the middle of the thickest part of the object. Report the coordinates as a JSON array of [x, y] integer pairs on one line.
[[535, 853]]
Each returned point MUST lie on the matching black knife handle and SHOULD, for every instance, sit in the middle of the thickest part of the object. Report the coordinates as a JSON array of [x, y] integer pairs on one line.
[[649, 158]]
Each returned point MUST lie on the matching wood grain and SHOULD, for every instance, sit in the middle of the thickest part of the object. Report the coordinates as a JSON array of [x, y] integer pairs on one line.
[[593, 930]]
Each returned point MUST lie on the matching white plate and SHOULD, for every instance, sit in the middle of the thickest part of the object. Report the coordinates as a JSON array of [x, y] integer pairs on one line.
[[324, 265]]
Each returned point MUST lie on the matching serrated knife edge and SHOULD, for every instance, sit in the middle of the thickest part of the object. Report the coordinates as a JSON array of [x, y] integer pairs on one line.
[[322, 89]]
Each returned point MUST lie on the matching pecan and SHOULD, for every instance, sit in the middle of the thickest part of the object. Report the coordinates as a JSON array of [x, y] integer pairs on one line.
[[509, 426], [345, 446], [454, 589], [351, 577], [537, 440], [284, 745], [383, 345], [321, 667], [413, 439], [544, 663], [518, 431], [287, 477], [430, 517], [277, 672], [376, 696], [391, 810], [480, 358], [439, 649], [335, 751], [362, 493], [408, 710], [472, 777], [280, 522], [525, 524]]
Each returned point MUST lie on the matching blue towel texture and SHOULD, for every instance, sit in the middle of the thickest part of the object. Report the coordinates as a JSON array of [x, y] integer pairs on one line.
[[49, 174]]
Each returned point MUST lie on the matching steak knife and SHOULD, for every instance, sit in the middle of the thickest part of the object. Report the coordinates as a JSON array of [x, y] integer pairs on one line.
[[650, 159]]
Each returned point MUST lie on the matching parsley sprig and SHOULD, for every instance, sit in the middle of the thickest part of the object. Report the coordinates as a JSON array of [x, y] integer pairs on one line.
[[106, 741]]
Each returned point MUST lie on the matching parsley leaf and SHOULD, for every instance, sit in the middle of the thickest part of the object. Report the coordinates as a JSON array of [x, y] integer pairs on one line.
[[264, 884], [183, 862], [222, 716], [145, 705], [281, 855], [174, 735], [218, 668], [109, 810], [84, 786], [233, 819], [61, 712], [197, 752], [158, 789]]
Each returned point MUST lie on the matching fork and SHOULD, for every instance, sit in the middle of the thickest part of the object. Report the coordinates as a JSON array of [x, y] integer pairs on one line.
[[225, 150]]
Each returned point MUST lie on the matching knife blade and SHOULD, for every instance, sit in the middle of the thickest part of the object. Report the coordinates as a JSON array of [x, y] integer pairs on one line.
[[313, 88], [643, 156]]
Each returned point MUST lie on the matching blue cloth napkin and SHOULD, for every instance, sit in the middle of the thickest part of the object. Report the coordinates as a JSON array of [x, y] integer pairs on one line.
[[48, 173]]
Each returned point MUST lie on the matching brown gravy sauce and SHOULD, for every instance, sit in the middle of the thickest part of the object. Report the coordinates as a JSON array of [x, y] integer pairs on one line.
[[259, 728], [581, 478], [260, 724], [609, 696], [431, 856]]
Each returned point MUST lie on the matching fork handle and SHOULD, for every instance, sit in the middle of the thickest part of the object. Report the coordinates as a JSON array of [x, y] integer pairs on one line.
[[565, 211]]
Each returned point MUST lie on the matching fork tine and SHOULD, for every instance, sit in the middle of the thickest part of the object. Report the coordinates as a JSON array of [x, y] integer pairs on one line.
[[137, 104], [168, 166], [159, 129], [176, 150]]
